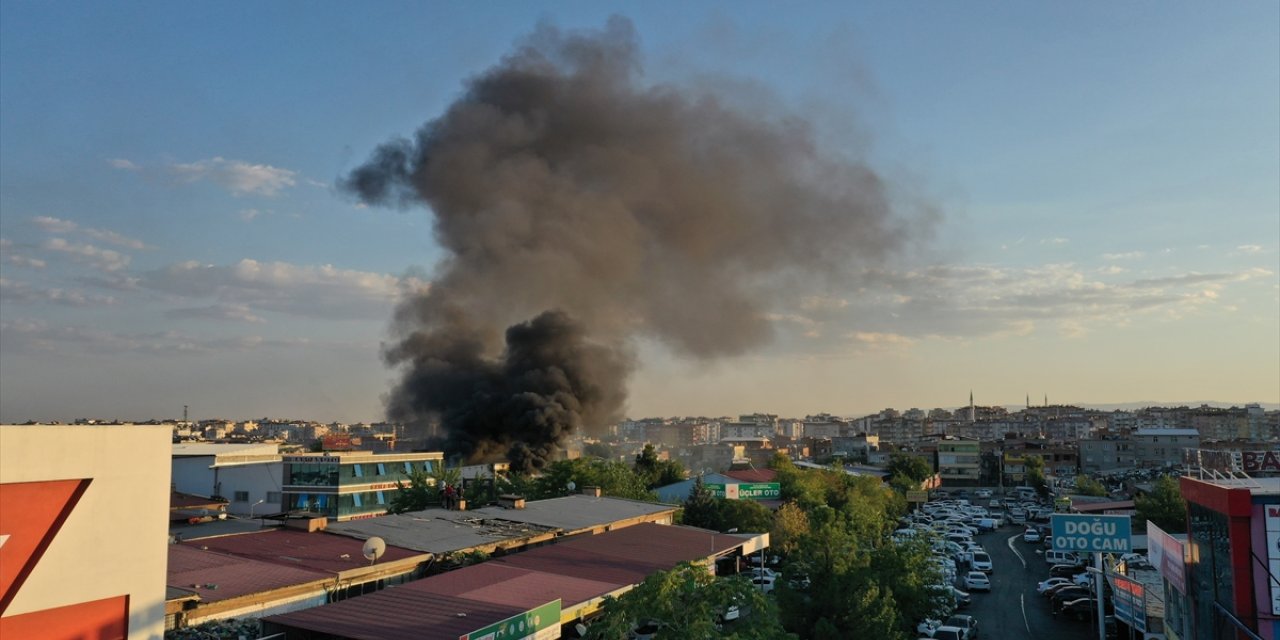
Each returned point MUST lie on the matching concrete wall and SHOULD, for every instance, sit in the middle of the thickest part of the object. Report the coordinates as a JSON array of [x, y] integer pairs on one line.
[[113, 543]]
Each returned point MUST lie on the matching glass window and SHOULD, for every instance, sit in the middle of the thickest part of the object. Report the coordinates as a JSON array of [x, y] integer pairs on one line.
[[356, 498], [382, 469], [273, 496], [241, 496], [382, 498], [408, 467], [359, 469]]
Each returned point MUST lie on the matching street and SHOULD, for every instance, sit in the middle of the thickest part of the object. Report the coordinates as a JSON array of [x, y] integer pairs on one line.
[[1013, 609]]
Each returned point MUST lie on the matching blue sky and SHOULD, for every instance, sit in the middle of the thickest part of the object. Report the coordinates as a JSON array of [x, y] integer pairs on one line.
[[1108, 179]]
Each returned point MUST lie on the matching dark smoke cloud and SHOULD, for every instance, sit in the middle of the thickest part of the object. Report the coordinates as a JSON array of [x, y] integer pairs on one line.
[[566, 190]]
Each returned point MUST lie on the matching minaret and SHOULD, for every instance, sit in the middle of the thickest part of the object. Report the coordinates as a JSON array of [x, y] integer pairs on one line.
[[972, 413]]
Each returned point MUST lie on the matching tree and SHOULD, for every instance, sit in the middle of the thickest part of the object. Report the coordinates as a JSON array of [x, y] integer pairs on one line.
[[789, 524], [1163, 506], [689, 602], [423, 489], [657, 473], [614, 479], [908, 470], [1087, 486], [1035, 475]]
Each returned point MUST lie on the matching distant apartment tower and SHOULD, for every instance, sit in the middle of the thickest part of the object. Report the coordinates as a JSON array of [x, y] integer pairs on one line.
[[959, 461], [1159, 447]]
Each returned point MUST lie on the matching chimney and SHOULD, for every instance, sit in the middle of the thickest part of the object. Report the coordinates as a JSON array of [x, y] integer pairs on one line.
[[511, 501], [591, 491]]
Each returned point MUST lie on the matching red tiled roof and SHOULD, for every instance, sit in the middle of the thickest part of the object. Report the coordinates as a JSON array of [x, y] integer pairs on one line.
[[753, 475], [292, 548], [196, 570], [502, 583]]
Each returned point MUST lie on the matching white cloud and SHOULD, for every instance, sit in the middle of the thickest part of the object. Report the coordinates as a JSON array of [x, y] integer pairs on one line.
[[1248, 249], [1055, 241], [232, 312], [104, 259], [37, 336], [123, 164], [249, 214], [238, 176], [60, 226], [23, 261], [22, 292], [313, 291], [1128, 255], [879, 339]]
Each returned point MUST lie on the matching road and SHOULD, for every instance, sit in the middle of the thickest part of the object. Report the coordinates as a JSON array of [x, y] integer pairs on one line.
[[1013, 610]]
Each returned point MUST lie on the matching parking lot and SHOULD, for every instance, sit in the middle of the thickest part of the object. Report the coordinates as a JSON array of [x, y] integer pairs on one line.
[[1013, 608]]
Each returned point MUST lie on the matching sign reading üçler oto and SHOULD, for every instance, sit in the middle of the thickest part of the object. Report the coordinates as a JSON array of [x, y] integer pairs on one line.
[[1077, 532]]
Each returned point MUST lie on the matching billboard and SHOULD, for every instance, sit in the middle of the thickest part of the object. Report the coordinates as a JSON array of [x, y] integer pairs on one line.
[[1080, 532], [1167, 554], [1272, 518], [539, 623], [745, 490]]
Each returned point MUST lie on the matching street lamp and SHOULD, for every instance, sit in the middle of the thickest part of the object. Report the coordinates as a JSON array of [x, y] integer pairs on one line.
[[251, 507]]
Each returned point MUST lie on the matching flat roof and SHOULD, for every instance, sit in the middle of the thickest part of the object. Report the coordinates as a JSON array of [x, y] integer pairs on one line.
[[443, 531], [575, 571], [440, 531], [217, 576], [316, 551], [577, 512], [184, 449]]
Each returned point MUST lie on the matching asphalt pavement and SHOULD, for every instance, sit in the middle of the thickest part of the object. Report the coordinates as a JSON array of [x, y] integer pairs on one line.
[[1013, 610]]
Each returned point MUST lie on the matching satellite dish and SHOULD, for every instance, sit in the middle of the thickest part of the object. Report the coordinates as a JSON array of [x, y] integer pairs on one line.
[[571, 486], [373, 549]]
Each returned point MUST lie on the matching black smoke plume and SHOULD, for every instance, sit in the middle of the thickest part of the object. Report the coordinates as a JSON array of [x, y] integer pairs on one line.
[[566, 190]]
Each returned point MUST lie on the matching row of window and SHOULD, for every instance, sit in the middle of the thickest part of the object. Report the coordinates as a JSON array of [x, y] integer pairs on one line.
[[243, 496], [342, 505], [328, 475]]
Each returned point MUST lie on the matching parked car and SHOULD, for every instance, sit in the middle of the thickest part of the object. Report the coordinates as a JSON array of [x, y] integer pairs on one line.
[[982, 493], [1080, 608], [948, 633], [1061, 557], [1066, 595], [1064, 570], [977, 581], [981, 562], [963, 599], [763, 583], [968, 623], [928, 627], [1050, 583]]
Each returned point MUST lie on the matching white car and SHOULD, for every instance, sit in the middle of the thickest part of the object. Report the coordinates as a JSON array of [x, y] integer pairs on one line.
[[977, 581], [763, 583], [1051, 583], [1031, 535], [981, 562]]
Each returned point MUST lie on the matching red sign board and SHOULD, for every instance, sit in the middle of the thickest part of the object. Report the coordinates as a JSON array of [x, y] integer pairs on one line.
[[1256, 461], [339, 442], [31, 513]]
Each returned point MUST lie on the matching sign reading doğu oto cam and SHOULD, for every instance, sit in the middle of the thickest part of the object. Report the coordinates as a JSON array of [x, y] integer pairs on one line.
[[1077, 532]]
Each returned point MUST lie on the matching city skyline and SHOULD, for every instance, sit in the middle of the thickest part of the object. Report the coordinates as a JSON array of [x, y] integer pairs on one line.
[[1104, 181]]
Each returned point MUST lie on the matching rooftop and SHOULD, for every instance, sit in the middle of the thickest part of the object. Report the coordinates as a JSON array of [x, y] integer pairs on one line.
[[1166, 432], [576, 571], [293, 548], [215, 576], [184, 449]]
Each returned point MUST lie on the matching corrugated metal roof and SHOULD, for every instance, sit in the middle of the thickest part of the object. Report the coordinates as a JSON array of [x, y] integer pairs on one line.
[[316, 551], [575, 570], [577, 512], [401, 613], [217, 576], [439, 531]]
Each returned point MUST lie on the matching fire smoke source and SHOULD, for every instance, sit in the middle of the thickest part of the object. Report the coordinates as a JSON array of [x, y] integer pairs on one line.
[[582, 208]]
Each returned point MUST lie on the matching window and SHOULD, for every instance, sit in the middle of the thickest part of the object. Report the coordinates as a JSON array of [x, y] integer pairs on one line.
[[359, 469], [382, 469], [408, 467], [359, 499], [273, 496], [382, 498], [241, 496]]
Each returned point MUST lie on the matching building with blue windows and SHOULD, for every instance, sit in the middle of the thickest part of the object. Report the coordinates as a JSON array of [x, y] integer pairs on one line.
[[347, 485]]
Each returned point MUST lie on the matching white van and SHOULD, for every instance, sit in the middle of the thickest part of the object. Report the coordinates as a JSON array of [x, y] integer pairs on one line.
[[1061, 557]]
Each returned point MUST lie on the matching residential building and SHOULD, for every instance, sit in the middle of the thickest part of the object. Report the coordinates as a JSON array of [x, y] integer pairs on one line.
[[959, 462], [1162, 446]]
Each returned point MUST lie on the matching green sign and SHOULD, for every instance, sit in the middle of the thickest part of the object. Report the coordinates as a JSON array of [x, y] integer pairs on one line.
[[539, 623], [759, 491], [917, 496], [746, 490]]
